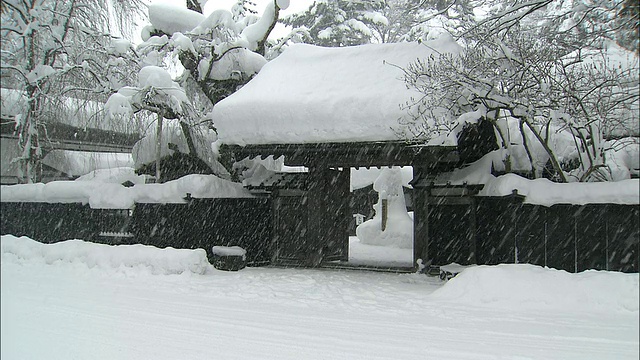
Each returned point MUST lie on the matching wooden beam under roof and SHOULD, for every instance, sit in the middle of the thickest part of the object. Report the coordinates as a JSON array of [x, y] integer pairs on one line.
[[67, 137], [356, 154]]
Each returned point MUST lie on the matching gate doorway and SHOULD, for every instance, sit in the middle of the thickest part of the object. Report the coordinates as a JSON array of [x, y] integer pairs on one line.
[[311, 218]]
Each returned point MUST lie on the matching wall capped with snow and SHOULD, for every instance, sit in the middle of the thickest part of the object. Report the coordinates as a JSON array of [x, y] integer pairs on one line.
[[542, 191], [105, 195]]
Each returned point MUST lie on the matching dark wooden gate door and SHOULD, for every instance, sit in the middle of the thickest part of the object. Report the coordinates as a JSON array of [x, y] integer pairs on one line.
[[311, 226], [291, 228], [337, 216]]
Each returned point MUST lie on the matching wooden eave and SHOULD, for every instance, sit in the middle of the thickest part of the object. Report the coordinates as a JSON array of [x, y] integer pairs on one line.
[[353, 154], [68, 137]]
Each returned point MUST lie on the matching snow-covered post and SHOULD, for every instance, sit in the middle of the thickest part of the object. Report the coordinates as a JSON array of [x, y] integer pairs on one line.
[[158, 146], [384, 207]]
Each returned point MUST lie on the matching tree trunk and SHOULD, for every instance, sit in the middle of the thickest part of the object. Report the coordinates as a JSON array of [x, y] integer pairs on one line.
[[547, 149], [187, 135], [28, 138]]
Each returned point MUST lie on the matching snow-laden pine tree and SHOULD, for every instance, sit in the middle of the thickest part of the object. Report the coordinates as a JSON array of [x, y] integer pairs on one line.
[[56, 54], [340, 22]]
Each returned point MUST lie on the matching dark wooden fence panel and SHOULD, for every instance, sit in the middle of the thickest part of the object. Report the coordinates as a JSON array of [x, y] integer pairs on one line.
[[591, 237], [561, 245], [164, 225], [530, 234], [47, 222], [496, 230], [623, 238], [204, 223], [450, 234], [568, 237], [200, 223]]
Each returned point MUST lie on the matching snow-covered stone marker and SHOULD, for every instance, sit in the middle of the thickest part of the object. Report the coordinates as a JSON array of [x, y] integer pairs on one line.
[[451, 270], [229, 258]]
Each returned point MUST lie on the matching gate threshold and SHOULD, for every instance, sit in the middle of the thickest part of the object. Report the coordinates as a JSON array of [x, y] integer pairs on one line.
[[347, 266]]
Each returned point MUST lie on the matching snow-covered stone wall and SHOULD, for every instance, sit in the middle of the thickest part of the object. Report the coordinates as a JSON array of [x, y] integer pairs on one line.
[[106, 195]]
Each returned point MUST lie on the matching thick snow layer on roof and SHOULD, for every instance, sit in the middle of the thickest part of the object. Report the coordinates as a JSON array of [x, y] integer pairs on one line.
[[313, 94], [77, 163]]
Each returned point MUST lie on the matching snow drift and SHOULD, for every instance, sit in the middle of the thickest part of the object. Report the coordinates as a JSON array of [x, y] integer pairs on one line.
[[157, 261], [521, 286]]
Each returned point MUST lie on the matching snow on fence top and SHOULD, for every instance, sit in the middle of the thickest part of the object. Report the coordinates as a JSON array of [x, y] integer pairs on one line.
[[103, 195], [543, 191], [311, 94], [547, 193]]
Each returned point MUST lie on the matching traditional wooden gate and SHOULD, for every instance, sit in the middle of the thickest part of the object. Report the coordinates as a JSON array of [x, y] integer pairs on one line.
[[311, 221]]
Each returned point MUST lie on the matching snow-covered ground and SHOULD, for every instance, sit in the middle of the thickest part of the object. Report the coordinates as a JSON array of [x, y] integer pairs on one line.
[[75, 300]]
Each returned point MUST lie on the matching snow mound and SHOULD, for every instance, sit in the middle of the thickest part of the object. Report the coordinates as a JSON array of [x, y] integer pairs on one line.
[[522, 286], [157, 261]]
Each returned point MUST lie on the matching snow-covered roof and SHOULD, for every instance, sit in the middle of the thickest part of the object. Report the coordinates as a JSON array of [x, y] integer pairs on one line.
[[78, 163], [312, 94]]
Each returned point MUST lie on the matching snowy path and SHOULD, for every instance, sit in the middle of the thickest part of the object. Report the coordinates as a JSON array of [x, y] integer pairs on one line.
[[66, 310]]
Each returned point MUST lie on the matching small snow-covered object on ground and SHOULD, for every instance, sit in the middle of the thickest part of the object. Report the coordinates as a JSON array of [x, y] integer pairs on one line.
[[229, 251], [451, 270], [229, 258]]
